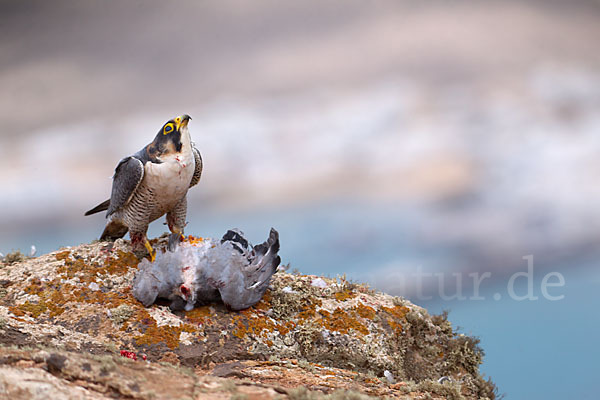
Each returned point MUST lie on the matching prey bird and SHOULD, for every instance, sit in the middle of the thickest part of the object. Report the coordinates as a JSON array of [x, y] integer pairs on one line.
[[231, 271], [153, 182]]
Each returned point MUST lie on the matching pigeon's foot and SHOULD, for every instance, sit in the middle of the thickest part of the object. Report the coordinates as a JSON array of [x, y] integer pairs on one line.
[[174, 239]]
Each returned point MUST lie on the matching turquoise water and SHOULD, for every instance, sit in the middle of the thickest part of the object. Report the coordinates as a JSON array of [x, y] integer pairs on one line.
[[537, 349]]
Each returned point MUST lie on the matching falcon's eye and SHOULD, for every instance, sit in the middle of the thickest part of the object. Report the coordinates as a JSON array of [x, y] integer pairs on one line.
[[168, 129]]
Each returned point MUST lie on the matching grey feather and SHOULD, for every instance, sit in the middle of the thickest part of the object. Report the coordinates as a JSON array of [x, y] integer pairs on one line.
[[128, 175], [198, 169], [237, 274], [155, 282]]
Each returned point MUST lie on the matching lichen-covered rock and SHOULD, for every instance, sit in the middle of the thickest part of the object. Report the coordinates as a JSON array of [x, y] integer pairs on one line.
[[79, 300]]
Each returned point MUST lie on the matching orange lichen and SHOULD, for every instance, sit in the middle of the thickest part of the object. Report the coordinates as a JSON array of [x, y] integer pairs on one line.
[[249, 323], [34, 287], [240, 329], [309, 310], [285, 328], [154, 334], [396, 326], [340, 321], [265, 303], [198, 315], [365, 311], [63, 255], [396, 311], [252, 322], [194, 240], [344, 295], [34, 310], [54, 295], [119, 265], [72, 267]]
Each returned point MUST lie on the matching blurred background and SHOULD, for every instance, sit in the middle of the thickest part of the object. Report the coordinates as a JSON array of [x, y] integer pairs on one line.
[[406, 144]]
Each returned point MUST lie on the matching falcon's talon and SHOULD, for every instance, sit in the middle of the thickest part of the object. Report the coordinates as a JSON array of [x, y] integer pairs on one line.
[[151, 251]]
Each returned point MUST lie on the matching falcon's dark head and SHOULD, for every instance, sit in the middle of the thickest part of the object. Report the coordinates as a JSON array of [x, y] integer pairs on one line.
[[168, 139]]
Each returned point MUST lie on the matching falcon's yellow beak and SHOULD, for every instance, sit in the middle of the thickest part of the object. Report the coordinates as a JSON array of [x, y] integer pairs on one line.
[[181, 121]]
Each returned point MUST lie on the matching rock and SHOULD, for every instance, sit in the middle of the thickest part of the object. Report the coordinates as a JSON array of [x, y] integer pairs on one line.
[[77, 304]]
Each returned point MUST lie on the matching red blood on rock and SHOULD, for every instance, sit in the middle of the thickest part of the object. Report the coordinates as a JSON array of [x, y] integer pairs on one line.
[[129, 354]]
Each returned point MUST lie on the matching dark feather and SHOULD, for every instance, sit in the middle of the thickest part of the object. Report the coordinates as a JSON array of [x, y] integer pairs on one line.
[[100, 207], [128, 175], [198, 169]]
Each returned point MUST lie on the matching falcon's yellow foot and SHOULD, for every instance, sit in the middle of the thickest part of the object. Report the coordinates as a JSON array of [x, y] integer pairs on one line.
[[151, 251]]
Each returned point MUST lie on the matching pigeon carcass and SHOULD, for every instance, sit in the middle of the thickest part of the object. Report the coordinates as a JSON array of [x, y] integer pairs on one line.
[[199, 272]]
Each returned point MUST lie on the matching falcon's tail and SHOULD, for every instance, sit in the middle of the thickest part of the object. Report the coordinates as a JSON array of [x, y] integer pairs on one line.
[[100, 207]]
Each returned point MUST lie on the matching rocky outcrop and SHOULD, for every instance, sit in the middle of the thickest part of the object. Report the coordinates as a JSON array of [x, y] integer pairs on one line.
[[70, 326]]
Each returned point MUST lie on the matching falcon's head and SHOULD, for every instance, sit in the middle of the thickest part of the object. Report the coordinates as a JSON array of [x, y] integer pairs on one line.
[[171, 137]]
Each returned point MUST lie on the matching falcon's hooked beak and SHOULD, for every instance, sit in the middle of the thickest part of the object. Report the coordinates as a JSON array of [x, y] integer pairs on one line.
[[182, 121]]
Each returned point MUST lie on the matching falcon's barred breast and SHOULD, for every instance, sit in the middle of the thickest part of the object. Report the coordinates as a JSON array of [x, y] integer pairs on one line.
[[153, 182]]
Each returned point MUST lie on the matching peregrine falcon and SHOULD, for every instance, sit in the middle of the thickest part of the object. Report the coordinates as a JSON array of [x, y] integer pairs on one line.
[[150, 183]]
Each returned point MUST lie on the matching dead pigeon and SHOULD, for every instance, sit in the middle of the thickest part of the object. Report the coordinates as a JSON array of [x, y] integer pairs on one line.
[[230, 270]]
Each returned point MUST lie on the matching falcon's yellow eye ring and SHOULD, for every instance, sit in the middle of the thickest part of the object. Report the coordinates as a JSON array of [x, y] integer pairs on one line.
[[168, 129]]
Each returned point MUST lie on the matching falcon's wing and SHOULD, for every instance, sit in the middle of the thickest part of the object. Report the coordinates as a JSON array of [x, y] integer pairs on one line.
[[128, 175], [198, 169]]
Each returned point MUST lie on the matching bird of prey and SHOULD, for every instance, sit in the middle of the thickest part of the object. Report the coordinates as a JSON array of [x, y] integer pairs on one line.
[[230, 270], [153, 182]]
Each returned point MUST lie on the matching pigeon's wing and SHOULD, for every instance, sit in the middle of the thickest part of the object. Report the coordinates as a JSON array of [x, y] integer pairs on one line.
[[128, 176], [146, 284], [245, 281], [198, 169]]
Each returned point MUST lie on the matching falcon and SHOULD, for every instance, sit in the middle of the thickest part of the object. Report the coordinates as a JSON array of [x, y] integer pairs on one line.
[[151, 183]]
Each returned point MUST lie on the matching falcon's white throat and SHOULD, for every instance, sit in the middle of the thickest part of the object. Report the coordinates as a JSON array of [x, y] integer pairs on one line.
[[170, 180]]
